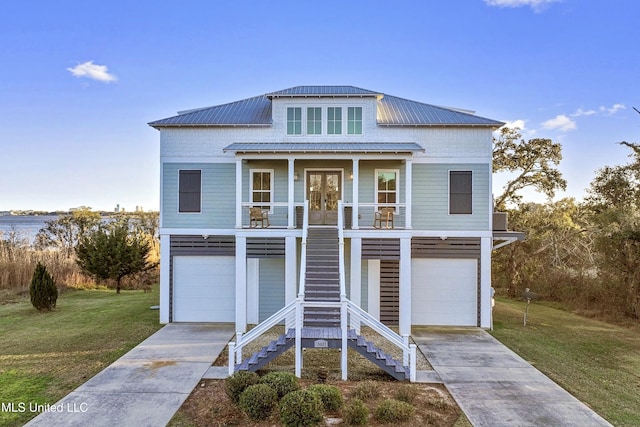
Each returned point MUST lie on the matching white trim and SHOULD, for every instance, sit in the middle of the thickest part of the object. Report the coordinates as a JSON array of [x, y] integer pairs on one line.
[[486, 244], [355, 189], [449, 191], [373, 288], [201, 186], [408, 193], [271, 189], [165, 252], [286, 121], [404, 321], [241, 284], [397, 190], [454, 160], [239, 193]]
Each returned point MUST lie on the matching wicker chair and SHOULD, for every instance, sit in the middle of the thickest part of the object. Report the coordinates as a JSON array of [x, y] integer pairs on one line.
[[383, 215], [257, 215]]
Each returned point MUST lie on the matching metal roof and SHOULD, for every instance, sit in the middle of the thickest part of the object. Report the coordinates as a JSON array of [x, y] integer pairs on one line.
[[323, 91], [321, 147], [392, 111]]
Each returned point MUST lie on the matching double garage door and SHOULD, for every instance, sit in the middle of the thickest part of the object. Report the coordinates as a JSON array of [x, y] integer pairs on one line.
[[204, 288], [444, 292]]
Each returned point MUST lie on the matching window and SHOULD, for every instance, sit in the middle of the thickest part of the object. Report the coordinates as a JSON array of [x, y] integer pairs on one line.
[[314, 120], [460, 183], [190, 189], [354, 120], [387, 187], [262, 188], [294, 121], [334, 120]]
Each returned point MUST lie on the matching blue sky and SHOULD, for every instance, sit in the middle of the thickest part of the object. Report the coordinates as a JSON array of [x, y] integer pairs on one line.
[[80, 80]]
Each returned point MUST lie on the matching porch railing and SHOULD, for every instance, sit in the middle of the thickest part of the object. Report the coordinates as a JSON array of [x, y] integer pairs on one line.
[[366, 214]]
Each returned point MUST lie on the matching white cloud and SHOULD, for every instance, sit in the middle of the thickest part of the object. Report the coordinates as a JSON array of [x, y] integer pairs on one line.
[[582, 112], [520, 124], [536, 5], [93, 71], [613, 109], [560, 122]]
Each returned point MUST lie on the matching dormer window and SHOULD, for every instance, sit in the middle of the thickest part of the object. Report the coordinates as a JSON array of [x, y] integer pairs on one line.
[[294, 121], [354, 120], [314, 121], [334, 120]]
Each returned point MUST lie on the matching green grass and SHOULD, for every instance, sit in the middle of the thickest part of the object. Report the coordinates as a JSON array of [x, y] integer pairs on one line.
[[597, 362], [44, 356]]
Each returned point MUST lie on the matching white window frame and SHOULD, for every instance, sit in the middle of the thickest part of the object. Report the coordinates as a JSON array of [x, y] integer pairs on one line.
[[271, 189], [302, 120], [397, 190], [361, 120]]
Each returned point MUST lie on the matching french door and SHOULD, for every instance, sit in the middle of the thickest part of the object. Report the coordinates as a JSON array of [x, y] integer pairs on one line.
[[324, 189]]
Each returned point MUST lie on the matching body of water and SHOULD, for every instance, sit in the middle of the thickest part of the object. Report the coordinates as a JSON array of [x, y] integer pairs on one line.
[[22, 227]]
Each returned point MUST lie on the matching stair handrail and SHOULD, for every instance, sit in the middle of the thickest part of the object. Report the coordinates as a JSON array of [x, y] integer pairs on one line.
[[235, 348], [343, 285], [408, 350], [303, 250]]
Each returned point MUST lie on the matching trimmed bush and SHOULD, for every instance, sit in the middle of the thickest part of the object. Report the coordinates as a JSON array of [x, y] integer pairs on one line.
[[42, 289], [330, 395], [282, 382], [258, 401], [355, 413], [301, 408], [392, 410], [238, 382]]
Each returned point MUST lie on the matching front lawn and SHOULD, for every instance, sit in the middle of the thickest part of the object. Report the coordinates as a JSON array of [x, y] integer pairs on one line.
[[597, 362], [44, 356]]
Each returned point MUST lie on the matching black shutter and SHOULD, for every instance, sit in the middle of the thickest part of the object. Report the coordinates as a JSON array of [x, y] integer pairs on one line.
[[460, 192], [190, 185]]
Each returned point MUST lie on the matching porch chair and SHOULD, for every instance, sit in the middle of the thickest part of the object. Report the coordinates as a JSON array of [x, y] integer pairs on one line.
[[257, 215], [383, 215]]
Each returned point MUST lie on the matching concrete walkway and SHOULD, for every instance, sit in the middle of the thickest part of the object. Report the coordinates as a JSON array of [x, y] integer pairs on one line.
[[496, 387], [146, 386]]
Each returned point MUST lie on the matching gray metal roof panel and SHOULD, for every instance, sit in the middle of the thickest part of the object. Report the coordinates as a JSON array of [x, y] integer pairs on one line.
[[399, 111], [251, 111], [323, 90], [338, 147]]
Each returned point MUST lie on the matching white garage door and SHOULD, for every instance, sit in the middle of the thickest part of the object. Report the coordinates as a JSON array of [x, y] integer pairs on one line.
[[204, 289], [444, 292]]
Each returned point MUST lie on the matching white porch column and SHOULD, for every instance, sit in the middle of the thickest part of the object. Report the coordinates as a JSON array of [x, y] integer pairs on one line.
[[165, 252], [354, 198], [241, 284], [238, 193], [290, 272], [405, 286], [290, 199], [408, 173], [355, 285], [485, 282]]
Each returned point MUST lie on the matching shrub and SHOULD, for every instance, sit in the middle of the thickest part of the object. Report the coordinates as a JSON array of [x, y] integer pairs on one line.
[[407, 393], [330, 395], [238, 382], [366, 390], [44, 293], [257, 401], [392, 410], [355, 413], [301, 408], [282, 382]]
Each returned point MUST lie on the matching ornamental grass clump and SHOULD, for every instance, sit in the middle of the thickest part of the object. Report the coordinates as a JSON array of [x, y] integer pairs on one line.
[[330, 395], [42, 289], [282, 382], [238, 382], [392, 410], [355, 413], [301, 408], [257, 401]]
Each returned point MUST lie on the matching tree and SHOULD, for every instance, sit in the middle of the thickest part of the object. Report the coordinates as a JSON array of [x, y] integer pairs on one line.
[[65, 232], [42, 289], [114, 251], [534, 163]]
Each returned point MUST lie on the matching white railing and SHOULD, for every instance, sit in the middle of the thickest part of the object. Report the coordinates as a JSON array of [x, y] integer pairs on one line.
[[303, 251], [343, 287], [366, 214]]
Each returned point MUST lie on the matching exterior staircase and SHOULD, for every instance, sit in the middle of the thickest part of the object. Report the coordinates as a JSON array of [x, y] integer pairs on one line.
[[329, 338], [322, 277]]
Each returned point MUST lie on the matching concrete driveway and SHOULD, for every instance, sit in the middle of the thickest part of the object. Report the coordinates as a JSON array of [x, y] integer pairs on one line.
[[496, 387], [146, 386]]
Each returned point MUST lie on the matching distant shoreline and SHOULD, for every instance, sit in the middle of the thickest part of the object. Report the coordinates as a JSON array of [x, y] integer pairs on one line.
[[58, 213]]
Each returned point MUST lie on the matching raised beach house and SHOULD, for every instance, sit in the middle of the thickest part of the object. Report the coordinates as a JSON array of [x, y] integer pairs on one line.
[[318, 203]]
